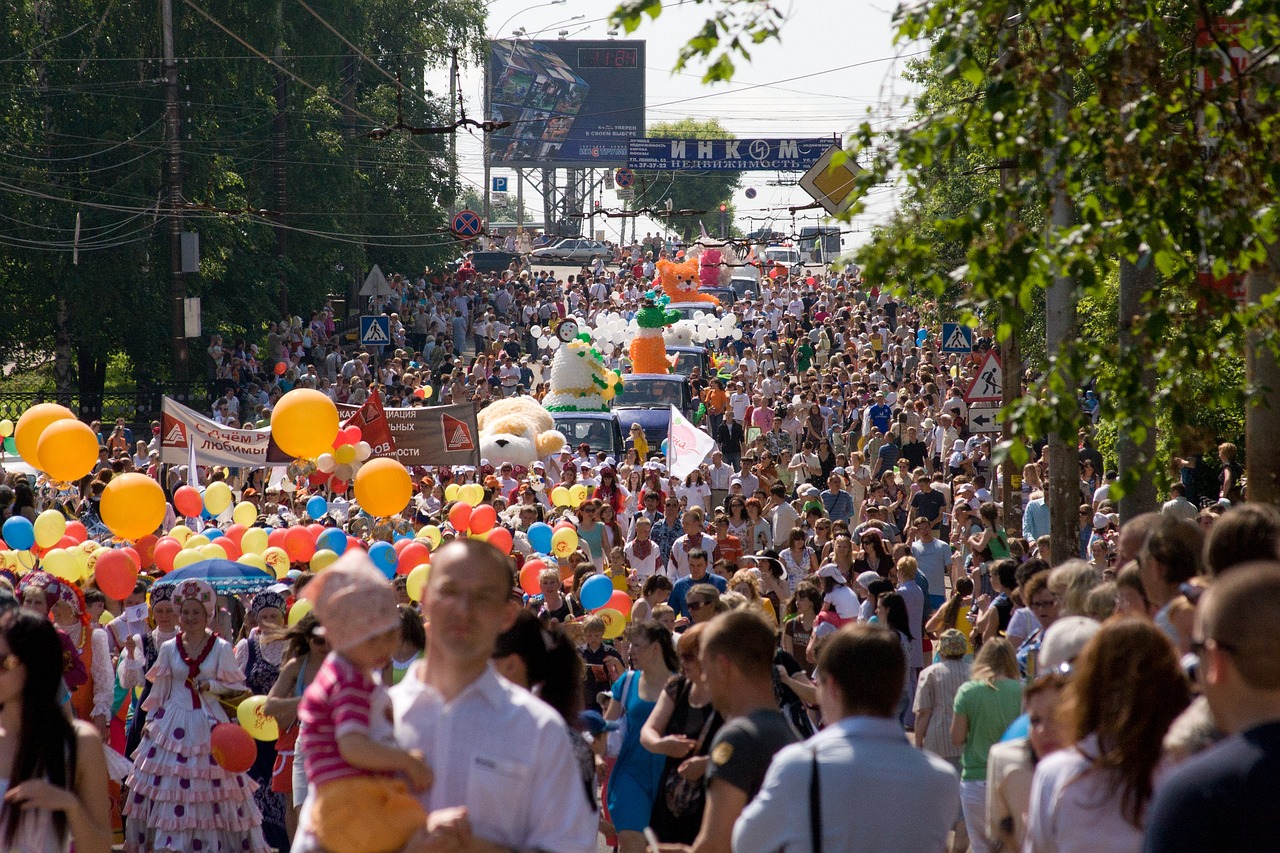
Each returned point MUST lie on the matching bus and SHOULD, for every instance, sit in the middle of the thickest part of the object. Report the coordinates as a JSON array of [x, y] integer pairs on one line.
[[820, 244]]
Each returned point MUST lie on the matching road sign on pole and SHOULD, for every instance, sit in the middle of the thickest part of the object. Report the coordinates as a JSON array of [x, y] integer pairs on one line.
[[466, 224], [499, 185], [375, 330], [957, 338], [984, 417], [987, 387], [624, 178]]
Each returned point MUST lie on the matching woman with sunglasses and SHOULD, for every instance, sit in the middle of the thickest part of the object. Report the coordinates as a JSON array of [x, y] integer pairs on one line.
[[681, 727], [305, 651], [56, 768]]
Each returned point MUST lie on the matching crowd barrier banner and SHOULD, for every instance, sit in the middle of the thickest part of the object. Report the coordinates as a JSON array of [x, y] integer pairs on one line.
[[184, 430], [425, 435]]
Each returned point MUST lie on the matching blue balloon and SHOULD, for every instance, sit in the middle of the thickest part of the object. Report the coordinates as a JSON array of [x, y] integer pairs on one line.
[[211, 533], [332, 539], [922, 336], [596, 592], [384, 557], [540, 537], [317, 506], [20, 534], [204, 513]]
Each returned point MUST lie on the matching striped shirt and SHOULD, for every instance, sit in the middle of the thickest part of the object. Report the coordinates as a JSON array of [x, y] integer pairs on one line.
[[337, 702], [939, 684]]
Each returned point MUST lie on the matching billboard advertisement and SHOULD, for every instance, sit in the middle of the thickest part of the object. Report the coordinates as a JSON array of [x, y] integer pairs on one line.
[[728, 155], [570, 103]]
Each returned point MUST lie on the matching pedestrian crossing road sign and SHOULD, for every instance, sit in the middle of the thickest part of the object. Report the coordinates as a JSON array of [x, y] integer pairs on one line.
[[375, 331], [957, 338]]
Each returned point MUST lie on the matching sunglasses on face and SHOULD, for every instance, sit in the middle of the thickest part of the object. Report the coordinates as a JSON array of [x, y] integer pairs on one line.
[[697, 605]]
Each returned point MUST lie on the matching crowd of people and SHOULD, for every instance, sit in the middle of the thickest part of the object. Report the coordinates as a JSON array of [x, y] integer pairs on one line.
[[833, 640]]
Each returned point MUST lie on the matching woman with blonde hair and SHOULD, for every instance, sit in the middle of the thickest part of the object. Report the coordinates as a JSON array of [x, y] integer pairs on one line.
[[747, 584], [1071, 582], [985, 705]]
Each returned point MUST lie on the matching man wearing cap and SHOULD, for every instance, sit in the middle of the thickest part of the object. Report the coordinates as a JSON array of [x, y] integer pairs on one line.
[[862, 757]]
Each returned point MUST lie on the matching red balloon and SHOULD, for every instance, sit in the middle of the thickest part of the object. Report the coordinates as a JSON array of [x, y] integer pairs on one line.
[[166, 549], [319, 478], [66, 542], [483, 518], [460, 516], [620, 602], [352, 434], [299, 544], [535, 564], [232, 747], [411, 556], [529, 577], [400, 545], [339, 487], [133, 556], [564, 525], [115, 574], [188, 501], [353, 542], [278, 370], [232, 549], [500, 538], [235, 533], [315, 529], [146, 548], [275, 539], [76, 531]]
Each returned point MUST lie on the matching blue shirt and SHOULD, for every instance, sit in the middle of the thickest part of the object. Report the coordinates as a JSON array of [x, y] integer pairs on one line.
[[879, 416], [1035, 520], [862, 760], [839, 505], [681, 589]]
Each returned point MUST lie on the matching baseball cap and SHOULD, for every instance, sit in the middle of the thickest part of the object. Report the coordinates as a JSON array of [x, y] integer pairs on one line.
[[867, 578], [1065, 639]]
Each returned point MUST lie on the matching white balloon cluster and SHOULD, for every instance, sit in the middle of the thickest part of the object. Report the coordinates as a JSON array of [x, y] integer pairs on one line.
[[344, 461], [544, 338], [612, 333]]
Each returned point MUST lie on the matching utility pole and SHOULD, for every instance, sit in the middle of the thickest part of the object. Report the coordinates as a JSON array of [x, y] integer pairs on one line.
[[172, 131], [453, 137], [1060, 327], [487, 149], [279, 127], [1010, 390]]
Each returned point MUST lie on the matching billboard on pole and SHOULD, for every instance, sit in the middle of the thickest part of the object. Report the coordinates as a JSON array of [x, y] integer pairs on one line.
[[570, 103]]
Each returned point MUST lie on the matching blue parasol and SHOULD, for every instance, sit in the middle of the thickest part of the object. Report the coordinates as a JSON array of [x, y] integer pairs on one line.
[[225, 576]]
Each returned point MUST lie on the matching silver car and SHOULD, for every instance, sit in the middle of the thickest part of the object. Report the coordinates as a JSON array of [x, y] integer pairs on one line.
[[573, 250]]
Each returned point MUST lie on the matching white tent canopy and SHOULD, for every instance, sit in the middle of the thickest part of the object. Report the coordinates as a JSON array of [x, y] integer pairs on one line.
[[375, 284]]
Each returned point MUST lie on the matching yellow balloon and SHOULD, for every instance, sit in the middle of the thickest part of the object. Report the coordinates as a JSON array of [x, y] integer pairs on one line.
[[217, 498], [244, 514], [277, 561], [133, 505], [255, 721], [416, 583], [254, 541], [304, 423], [451, 492], [24, 560], [61, 564], [197, 541], [254, 560], [560, 496], [6, 428], [34, 421], [90, 561], [105, 618], [564, 542], [213, 551], [298, 611], [577, 494], [186, 557], [50, 526], [472, 493], [614, 622], [383, 487], [181, 532], [345, 455], [68, 450], [427, 391], [82, 558], [322, 558], [431, 533]]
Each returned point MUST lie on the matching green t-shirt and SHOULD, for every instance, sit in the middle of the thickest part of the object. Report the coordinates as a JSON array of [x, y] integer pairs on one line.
[[989, 712]]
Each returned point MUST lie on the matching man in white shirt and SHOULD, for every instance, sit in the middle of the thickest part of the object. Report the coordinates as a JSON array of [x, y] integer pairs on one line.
[[861, 757], [692, 540], [499, 754], [718, 476]]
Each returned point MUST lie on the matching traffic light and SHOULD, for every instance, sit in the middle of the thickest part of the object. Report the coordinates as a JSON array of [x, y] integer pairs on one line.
[[723, 207], [724, 221]]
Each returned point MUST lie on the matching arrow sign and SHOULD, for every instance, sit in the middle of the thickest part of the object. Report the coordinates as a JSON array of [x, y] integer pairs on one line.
[[984, 417]]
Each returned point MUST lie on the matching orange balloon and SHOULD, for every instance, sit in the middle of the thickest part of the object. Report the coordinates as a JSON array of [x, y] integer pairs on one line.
[[68, 450], [133, 505], [383, 487], [33, 423], [483, 518], [232, 747], [529, 578], [115, 574], [299, 544], [460, 516], [500, 538], [304, 423]]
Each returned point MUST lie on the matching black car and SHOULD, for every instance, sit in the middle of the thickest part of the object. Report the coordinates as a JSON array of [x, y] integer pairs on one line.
[[495, 261]]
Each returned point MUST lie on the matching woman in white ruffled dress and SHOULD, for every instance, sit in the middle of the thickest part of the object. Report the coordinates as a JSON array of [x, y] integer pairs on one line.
[[180, 799]]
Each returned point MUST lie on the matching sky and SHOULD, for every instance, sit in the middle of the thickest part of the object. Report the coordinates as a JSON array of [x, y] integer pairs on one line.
[[834, 62]]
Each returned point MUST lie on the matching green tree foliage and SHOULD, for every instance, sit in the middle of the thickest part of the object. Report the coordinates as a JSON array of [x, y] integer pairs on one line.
[[83, 133], [686, 189]]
